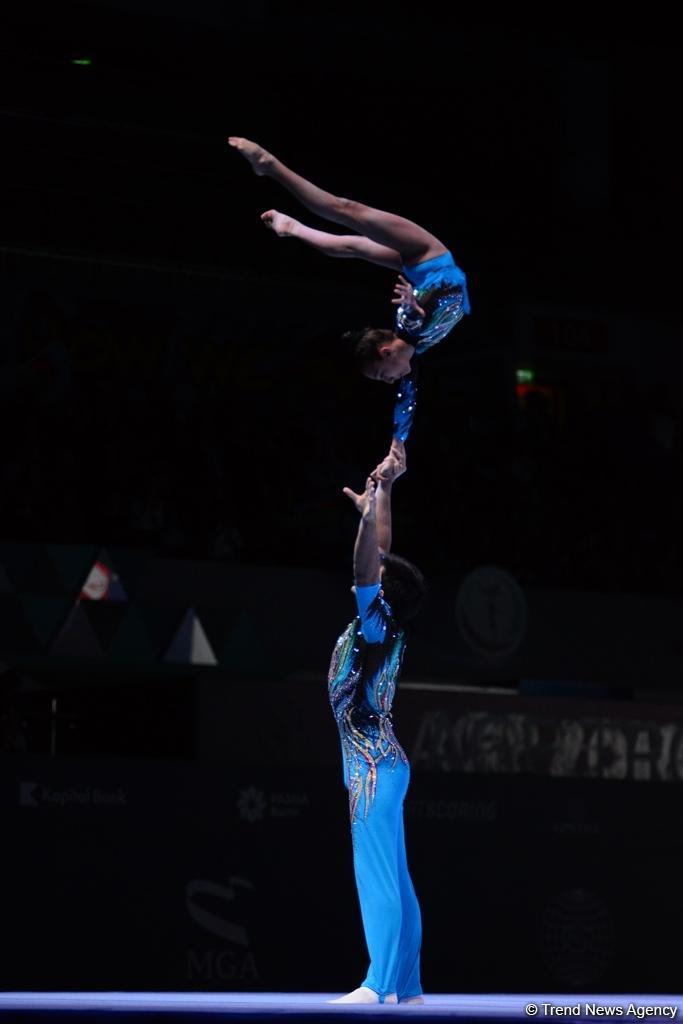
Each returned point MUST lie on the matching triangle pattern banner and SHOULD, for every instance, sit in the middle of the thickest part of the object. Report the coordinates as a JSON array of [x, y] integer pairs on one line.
[[218, 623], [16, 635], [161, 623], [102, 582], [72, 562], [46, 614], [44, 578], [29, 569], [106, 618], [20, 562], [132, 565], [77, 638], [190, 645], [131, 641]]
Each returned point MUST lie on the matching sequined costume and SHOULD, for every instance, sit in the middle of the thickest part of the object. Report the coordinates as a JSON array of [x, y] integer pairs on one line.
[[440, 288], [363, 674], [404, 406]]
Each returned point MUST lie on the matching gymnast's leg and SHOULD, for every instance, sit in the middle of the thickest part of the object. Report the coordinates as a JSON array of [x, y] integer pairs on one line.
[[408, 984], [413, 243], [375, 862]]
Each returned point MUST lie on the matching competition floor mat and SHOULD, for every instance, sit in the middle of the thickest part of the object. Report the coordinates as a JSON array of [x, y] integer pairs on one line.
[[148, 1007]]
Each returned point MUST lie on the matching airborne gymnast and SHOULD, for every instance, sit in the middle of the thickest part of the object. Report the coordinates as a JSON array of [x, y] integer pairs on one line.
[[430, 295]]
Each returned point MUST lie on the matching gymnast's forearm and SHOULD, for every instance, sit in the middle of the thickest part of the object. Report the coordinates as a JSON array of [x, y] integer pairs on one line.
[[366, 553], [383, 514]]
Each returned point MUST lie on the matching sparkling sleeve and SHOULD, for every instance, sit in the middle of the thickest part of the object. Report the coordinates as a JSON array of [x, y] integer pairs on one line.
[[409, 322], [372, 612], [404, 407]]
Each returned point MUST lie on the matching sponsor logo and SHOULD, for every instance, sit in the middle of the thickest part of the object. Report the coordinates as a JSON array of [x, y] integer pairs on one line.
[[510, 743], [451, 810], [251, 804], [204, 901], [491, 611], [35, 794], [254, 804], [220, 965], [28, 794]]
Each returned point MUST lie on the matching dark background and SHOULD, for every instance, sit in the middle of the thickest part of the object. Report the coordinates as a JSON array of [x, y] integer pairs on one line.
[[175, 394]]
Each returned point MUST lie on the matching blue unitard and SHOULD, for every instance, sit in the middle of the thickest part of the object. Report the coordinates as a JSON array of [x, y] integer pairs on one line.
[[440, 288], [363, 675]]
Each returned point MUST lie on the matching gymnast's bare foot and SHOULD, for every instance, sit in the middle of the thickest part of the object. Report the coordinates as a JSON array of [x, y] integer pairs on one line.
[[279, 223], [363, 995], [418, 1000], [259, 158]]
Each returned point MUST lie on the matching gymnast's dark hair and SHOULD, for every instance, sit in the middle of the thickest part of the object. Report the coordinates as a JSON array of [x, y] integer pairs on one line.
[[404, 587], [366, 343]]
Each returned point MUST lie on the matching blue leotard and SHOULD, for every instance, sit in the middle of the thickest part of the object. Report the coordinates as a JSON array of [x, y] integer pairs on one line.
[[440, 288]]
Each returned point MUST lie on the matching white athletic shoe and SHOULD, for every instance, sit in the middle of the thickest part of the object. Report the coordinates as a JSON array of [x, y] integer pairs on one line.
[[364, 995]]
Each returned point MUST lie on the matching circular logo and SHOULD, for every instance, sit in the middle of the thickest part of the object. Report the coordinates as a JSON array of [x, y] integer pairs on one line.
[[251, 804], [491, 611]]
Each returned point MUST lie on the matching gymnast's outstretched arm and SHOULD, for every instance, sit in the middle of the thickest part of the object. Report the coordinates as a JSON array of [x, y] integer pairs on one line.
[[389, 470], [366, 562]]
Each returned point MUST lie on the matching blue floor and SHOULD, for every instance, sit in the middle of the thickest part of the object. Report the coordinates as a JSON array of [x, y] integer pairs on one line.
[[148, 1007]]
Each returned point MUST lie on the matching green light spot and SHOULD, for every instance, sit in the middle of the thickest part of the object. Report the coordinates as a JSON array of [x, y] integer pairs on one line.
[[83, 62], [525, 376]]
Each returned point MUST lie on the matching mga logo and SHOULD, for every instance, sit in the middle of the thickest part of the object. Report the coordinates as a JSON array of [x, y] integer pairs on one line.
[[209, 904]]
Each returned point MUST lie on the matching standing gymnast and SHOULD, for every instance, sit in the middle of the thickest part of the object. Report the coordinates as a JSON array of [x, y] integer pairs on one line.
[[363, 676], [431, 292]]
